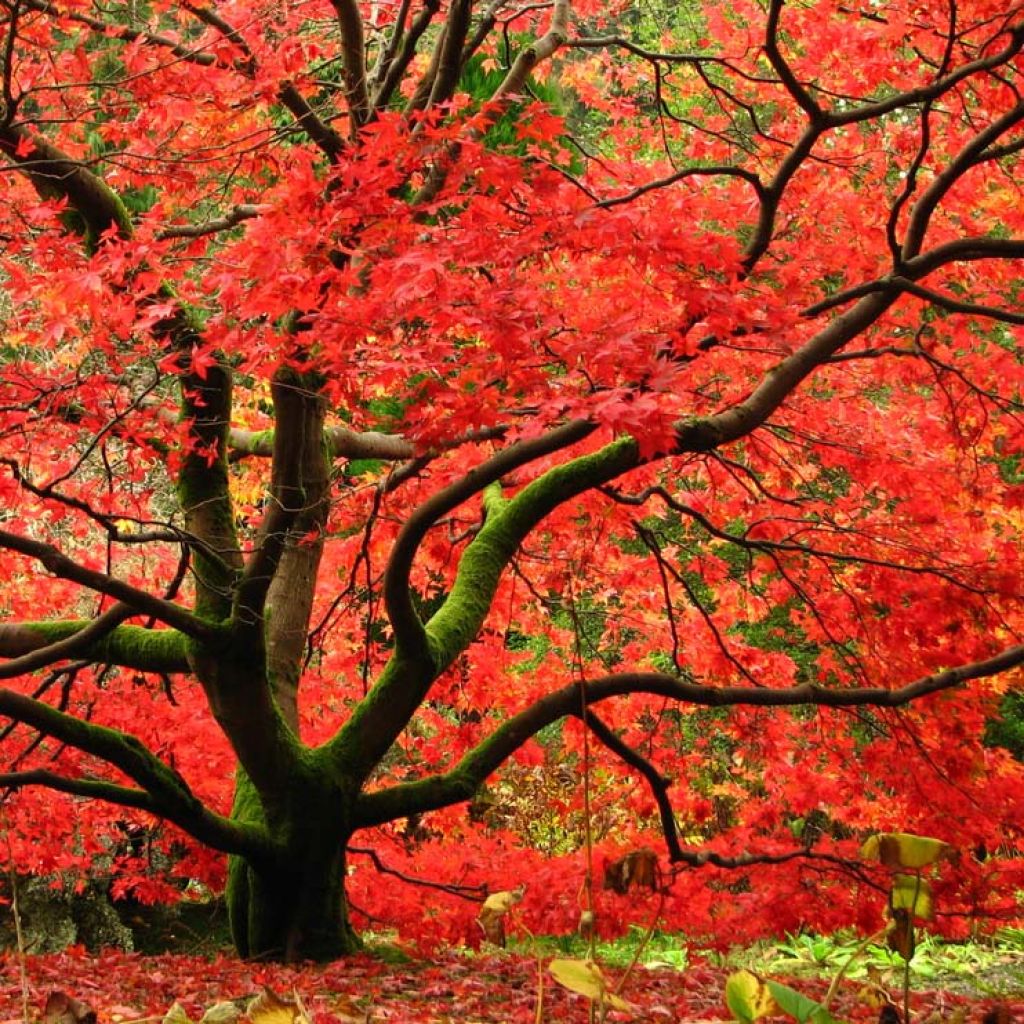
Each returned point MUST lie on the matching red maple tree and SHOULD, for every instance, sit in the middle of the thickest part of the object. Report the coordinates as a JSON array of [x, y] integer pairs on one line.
[[392, 391]]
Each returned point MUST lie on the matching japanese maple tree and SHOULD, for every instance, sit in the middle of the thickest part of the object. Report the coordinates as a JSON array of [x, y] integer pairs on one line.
[[393, 390]]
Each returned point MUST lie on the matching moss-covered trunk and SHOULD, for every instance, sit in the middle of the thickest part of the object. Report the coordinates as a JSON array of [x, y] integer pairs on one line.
[[294, 913], [293, 907]]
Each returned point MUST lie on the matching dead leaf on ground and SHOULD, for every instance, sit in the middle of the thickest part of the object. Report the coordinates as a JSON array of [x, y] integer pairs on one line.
[[64, 1009], [492, 913], [270, 1008]]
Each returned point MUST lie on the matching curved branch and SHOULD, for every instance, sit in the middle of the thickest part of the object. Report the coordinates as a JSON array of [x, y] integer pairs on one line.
[[462, 781], [965, 250], [657, 782], [971, 154], [167, 789], [771, 48], [932, 91], [410, 635], [65, 568], [725, 170], [55, 175], [781, 380]]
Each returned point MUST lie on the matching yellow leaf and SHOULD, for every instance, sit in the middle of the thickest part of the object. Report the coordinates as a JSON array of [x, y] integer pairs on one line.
[[585, 977], [909, 892], [903, 850], [749, 997], [503, 902], [270, 1008]]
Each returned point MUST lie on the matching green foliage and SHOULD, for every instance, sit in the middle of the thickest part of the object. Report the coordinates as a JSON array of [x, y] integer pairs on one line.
[[1007, 730]]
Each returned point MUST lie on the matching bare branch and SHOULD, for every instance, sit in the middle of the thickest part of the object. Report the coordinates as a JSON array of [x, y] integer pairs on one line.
[[350, 21], [658, 783], [235, 216], [65, 568]]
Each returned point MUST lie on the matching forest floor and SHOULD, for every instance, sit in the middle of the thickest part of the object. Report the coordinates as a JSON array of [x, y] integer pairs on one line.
[[497, 988]]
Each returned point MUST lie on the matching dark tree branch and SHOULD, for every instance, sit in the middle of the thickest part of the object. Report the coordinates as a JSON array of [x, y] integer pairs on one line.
[[350, 21], [404, 54], [473, 893], [93, 789], [65, 568], [921, 212], [167, 789], [658, 783], [235, 216], [794, 87], [462, 781]]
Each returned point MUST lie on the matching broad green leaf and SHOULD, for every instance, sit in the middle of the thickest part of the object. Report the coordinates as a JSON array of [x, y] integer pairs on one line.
[[585, 977], [797, 1005], [748, 997], [221, 1013], [177, 1015], [903, 850], [913, 893]]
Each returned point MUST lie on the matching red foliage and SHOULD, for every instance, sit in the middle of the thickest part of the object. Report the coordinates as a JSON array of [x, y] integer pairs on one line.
[[459, 290]]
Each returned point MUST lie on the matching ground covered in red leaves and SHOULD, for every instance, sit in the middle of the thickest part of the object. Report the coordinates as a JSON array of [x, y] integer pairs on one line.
[[503, 988]]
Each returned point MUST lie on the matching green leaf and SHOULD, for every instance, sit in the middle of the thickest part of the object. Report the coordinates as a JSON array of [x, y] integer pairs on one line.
[[797, 1005], [903, 850], [913, 893], [177, 1014], [748, 997]]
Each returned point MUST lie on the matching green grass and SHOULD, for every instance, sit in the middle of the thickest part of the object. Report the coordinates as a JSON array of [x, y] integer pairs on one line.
[[990, 967]]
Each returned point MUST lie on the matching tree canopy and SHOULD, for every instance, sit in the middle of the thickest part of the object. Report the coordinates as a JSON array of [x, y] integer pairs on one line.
[[396, 391]]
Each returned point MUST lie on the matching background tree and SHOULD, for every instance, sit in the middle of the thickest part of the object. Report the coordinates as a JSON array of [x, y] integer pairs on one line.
[[367, 420]]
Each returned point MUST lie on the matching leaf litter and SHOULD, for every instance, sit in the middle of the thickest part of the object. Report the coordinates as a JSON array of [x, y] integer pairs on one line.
[[122, 988]]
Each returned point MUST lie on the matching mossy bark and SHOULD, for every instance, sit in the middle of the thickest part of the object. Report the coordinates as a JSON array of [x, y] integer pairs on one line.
[[292, 907], [293, 912]]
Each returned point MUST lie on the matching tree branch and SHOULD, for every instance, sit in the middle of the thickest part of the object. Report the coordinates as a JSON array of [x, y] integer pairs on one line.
[[65, 568], [93, 789], [462, 781], [350, 21], [658, 783], [146, 650], [168, 790], [410, 635]]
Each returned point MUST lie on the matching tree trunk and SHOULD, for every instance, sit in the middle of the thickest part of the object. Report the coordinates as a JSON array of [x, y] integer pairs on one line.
[[294, 908], [296, 913]]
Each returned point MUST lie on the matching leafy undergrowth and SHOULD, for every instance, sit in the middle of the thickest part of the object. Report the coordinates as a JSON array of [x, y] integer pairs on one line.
[[125, 988]]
